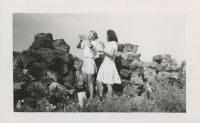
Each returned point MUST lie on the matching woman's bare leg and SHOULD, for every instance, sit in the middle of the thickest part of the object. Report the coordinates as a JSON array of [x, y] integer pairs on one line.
[[110, 90], [90, 84], [100, 87], [85, 79]]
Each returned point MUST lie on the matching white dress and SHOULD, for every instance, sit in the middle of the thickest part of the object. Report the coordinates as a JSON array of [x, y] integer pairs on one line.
[[108, 73]]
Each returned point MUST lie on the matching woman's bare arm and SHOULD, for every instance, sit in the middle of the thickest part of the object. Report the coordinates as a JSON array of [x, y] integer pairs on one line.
[[79, 44], [110, 53]]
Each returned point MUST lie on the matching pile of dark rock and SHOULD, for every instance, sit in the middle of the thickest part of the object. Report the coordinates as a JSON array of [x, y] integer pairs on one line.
[[140, 78], [44, 73]]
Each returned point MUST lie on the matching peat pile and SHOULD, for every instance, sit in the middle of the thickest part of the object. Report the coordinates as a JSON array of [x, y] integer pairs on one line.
[[139, 78], [44, 73]]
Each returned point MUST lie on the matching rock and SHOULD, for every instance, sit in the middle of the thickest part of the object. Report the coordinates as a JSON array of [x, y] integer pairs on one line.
[[165, 61], [174, 75], [31, 102], [70, 80], [125, 73], [130, 91], [184, 69], [79, 76], [162, 76], [124, 55], [42, 101], [48, 56], [178, 69], [124, 84], [37, 70], [18, 76], [26, 59], [166, 55], [170, 68], [45, 43], [68, 85], [47, 36], [138, 71], [120, 47], [130, 57], [130, 48], [58, 90], [183, 73], [146, 64], [159, 68], [174, 62], [20, 85], [135, 79], [37, 89], [171, 80], [64, 69], [183, 63], [28, 77], [67, 58], [157, 58], [53, 75], [136, 64], [125, 64], [148, 87], [61, 45], [126, 81], [137, 56], [153, 64], [139, 87], [18, 63], [149, 74], [168, 61]]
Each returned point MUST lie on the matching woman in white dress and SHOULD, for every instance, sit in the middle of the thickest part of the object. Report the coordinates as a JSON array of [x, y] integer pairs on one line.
[[108, 73], [89, 67]]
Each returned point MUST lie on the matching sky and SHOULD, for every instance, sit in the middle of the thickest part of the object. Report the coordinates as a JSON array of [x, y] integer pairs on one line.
[[154, 33]]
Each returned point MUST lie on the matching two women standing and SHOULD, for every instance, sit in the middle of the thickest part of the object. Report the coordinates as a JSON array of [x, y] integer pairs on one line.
[[107, 73]]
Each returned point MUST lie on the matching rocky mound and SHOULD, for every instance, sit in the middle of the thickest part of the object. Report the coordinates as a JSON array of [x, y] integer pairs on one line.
[[139, 78], [45, 69], [45, 73]]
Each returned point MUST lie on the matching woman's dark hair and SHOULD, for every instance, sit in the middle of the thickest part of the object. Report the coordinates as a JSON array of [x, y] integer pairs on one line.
[[112, 35]]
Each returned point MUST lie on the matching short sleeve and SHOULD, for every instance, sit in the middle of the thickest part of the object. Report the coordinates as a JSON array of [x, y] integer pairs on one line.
[[110, 46]]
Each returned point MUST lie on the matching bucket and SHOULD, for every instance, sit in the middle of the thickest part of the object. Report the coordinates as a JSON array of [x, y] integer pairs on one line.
[[81, 98]]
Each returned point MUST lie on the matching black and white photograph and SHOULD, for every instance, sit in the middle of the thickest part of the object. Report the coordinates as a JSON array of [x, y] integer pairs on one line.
[[99, 62], [113, 61]]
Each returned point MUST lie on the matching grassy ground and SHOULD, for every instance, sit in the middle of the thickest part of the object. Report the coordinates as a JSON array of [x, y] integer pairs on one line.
[[166, 98]]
